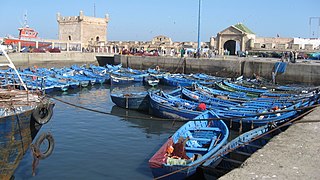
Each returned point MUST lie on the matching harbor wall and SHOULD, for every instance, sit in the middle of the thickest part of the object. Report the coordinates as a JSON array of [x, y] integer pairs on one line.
[[50, 59], [302, 72], [217, 67]]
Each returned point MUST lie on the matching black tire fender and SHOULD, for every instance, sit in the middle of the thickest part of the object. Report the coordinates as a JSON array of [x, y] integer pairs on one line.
[[40, 140], [43, 113]]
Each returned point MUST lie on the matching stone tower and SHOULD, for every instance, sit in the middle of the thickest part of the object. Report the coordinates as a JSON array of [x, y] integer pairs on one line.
[[90, 31]]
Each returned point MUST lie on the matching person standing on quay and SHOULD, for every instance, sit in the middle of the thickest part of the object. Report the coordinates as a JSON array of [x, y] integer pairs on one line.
[[182, 52], [290, 56]]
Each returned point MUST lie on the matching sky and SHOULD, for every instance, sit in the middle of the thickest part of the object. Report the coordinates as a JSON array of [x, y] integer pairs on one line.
[[141, 20]]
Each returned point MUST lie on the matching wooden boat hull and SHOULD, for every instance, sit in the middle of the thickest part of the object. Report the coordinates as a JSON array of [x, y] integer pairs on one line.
[[198, 97], [164, 108], [17, 132], [213, 134], [151, 81], [176, 81], [135, 101], [123, 80], [248, 123], [22, 112]]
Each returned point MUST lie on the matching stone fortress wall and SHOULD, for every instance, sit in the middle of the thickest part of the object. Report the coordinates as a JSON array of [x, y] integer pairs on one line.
[[91, 31]]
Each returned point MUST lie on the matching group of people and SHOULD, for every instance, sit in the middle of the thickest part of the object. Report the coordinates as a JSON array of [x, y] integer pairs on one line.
[[290, 56]]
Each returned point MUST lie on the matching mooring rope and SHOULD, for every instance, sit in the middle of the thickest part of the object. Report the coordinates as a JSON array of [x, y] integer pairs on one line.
[[180, 63], [182, 120], [108, 113]]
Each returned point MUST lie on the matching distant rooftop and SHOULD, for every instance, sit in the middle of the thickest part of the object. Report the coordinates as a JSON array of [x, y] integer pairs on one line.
[[243, 28]]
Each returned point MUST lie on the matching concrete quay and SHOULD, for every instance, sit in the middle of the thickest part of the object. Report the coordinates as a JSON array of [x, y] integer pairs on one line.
[[293, 154], [301, 72], [51, 59]]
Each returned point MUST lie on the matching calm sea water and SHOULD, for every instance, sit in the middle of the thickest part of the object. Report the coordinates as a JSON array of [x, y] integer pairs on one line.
[[90, 145]]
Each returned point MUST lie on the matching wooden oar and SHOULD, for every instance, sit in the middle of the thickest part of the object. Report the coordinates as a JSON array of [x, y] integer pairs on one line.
[[215, 143]]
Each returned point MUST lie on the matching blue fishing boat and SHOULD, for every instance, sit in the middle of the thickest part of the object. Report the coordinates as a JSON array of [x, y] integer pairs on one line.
[[113, 68], [235, 152], [128, 75], [134, 100], [245, 89], [151, 80], [118, 79], [275, 116], [169, 107], [157, 73], [228, 107], [203, 138], [273, 94], [222, 86], [32, 81], [205, 77], [184, 80], [177, 80], [199, 97], [71, 74], [59, 84], [73, 84], [131, 100], [95, 77], [101, 71], [173, 107], [215, 92]]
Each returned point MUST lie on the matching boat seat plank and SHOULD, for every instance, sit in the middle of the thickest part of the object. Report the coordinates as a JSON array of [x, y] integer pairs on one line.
[[200, 139], [207, 129], [196, 149]]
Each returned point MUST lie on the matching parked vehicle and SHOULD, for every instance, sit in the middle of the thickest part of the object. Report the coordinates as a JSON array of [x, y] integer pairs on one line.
[[241, 53], [263, 54], [54, 50], [38, 50], [276, 55], [302, 55]]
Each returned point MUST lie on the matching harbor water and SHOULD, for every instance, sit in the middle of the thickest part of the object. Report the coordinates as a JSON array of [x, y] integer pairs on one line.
[[93, 145]]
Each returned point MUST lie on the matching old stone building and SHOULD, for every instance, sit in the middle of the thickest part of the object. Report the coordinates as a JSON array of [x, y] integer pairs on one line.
[[234, 38], [89, 31], [161, 43], [240, 38]]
